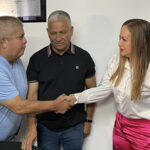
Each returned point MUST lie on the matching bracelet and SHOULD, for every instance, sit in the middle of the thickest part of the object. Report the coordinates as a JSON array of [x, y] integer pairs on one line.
[[90, 121]]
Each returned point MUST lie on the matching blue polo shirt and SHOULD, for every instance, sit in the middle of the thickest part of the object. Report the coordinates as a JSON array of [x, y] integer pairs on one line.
[[12, 83]]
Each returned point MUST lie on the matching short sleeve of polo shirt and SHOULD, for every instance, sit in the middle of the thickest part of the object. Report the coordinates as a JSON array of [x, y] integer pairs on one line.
[[7, 88], [32, 69], [90, 66]]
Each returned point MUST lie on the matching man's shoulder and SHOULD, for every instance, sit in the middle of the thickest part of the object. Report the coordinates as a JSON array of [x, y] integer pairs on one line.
[[4, 67], [40, 53], [4, 73], [80, 51]]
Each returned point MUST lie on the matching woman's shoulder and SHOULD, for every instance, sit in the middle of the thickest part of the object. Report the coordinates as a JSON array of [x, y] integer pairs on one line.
[[147, 77], [114, 61]]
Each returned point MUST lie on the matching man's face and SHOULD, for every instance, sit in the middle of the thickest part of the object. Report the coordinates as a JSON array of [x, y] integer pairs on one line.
[[60, 35], [16, 44]]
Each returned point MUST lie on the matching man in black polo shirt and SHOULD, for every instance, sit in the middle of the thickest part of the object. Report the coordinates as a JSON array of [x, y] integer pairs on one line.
[[60, 67]]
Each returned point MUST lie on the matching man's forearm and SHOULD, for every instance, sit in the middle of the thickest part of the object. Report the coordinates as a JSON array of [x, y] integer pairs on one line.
[[20, 106], [31, 122], [90, 111], [32, 106]]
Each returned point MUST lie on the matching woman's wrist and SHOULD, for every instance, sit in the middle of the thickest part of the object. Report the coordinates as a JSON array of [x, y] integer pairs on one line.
[[73, 99]]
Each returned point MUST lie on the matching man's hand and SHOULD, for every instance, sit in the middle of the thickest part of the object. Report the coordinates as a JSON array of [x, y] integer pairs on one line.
[[87, 129], [29, 140], [61, 104], [71, 99]]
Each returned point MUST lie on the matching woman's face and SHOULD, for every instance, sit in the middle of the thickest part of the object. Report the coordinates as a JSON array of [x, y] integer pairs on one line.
[[125, 42]]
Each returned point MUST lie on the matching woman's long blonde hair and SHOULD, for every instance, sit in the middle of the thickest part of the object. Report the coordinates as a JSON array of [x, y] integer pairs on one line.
[[140, 56]]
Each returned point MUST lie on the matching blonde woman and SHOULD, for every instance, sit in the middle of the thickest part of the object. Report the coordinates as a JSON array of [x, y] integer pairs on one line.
[[128, 78]]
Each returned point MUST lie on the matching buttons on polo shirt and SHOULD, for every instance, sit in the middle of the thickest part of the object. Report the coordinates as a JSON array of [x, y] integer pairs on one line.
[[77, 67], [60, 59]]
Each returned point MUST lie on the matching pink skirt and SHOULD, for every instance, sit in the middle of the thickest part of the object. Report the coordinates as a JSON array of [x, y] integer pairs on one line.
[[131, 134]]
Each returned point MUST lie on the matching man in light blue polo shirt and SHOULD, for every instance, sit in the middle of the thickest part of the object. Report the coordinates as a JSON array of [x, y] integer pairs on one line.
[[13, 84]]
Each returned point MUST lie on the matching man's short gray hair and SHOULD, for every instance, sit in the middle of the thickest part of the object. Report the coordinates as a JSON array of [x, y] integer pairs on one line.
[[7, 26], [59, 15]]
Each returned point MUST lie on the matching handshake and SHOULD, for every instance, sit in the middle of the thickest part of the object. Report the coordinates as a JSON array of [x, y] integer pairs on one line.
[[63, 103]]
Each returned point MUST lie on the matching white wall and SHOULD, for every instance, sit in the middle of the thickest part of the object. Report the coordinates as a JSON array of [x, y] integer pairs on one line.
[[96, 28]]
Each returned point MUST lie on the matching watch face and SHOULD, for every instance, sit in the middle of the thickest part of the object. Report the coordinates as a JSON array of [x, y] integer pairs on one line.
[[90, 121]]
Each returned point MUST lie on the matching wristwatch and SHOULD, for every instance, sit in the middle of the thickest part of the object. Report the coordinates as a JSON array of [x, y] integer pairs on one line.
[[87, 120]]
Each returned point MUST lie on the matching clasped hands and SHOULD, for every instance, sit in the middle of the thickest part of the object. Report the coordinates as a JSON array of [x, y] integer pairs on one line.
[[63, 103]]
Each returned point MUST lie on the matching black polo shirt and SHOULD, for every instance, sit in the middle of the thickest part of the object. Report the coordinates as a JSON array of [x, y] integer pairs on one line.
[[59, 74]]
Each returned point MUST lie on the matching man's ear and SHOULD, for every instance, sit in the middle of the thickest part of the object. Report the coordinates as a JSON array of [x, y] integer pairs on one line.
[[3, 43], [72, 29], [48, 31]]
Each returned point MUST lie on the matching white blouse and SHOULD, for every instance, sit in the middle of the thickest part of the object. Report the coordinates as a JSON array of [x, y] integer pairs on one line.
[[126, 106]]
